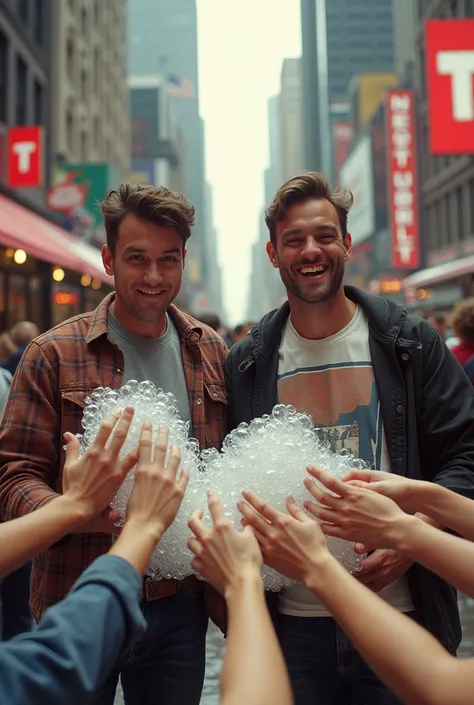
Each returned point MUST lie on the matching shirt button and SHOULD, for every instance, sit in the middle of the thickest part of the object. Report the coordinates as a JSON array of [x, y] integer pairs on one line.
[[119, 370], [399, 409], [405, 357], [199, 401]]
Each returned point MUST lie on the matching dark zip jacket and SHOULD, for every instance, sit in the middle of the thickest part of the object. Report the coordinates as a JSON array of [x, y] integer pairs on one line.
[[427, 405]]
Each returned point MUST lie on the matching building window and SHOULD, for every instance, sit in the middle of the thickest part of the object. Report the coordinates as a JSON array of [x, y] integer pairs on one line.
[[449, 220], [84, 154], [38, 103], [3, 77], [460, 214], [70, 59], [83, 85], [469, 8], [22, 7], [70, 132], [38, 10], [96, 133], [471, 207], [84, 21], [21, 92]]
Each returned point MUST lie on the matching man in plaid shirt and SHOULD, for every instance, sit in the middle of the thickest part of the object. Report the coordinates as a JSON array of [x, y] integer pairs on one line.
[[135, 333]]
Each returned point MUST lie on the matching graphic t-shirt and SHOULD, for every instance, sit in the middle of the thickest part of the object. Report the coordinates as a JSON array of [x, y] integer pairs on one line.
[[332, 379]]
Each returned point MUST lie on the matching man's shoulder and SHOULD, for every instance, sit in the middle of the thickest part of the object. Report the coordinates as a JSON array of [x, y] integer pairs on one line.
[[208, 337], [72, 330]]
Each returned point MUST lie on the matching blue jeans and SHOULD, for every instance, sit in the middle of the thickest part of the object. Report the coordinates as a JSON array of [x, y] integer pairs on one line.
[[166, 667], [325, 668]]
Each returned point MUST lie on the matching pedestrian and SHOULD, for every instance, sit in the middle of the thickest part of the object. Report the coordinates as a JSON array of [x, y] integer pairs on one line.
[[463, 326], [135, 333], [362, 364]]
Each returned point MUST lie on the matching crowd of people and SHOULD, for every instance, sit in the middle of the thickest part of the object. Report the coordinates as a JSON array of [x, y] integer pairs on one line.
[[355, 362]]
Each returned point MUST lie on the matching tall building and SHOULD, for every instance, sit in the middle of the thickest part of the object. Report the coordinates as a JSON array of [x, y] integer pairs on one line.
[[359, 39], [25, 35], [90, 107], [162, 39], [446, 180], [290, 118]]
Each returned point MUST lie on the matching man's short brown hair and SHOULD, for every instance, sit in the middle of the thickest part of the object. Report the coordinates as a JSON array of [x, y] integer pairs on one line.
[[463, 320], [154, 204], [301, 188]]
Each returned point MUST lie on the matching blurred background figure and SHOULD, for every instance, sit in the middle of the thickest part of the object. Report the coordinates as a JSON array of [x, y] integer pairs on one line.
[[463, 326], [21, 335]]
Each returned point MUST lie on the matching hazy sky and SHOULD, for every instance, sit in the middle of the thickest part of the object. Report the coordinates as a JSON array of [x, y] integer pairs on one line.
[[241, 49]]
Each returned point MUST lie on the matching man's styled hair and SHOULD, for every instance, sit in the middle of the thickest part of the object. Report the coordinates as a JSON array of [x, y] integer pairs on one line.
[[154, 204], [301, 188], [463, 320]]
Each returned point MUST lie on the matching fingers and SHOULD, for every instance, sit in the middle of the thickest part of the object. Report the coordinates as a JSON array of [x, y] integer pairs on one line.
[[215, 508], [330, 482], [161, 447], [120, 431], [296, 511], [174, 460], [253, 518], [103, 434], [145, 445], [320, 496], [183, 480], [129, 461], [364, 475], [72, 447], [197, 526], [195, 546], [264, 508]]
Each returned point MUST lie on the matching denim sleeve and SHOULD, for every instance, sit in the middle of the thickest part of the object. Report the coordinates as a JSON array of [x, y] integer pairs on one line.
[[78, 640]]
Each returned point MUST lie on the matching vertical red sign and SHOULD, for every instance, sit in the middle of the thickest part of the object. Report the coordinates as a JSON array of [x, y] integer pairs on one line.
[[450, 82], [402, 180], [25, 157]]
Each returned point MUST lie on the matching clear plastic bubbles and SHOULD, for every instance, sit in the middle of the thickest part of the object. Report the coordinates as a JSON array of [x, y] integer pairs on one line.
[[268, 456], [171, 558]]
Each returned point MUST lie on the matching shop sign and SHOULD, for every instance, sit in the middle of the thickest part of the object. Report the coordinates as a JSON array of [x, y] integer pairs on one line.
[[357, 174], [25, 157], [67, 196], [402, 180], [450, 81]]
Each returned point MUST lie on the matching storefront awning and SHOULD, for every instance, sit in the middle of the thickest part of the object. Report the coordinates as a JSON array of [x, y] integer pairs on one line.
[[439, 273], [23, 229]]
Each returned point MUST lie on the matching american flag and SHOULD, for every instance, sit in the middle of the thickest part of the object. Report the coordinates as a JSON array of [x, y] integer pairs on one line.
[[179, 87]]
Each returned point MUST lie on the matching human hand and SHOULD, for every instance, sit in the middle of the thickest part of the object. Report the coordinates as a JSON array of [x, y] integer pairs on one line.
[[355, 513], [223, 555], [405, 492], [382, 568], [290, 543], [91, 482], [156, 495]]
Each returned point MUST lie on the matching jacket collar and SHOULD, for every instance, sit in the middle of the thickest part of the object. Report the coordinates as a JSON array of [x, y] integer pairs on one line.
[[188, 328], [385, 320]]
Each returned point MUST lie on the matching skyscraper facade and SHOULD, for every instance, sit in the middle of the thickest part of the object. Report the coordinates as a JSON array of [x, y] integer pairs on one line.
[[359, 39], [163, 41]]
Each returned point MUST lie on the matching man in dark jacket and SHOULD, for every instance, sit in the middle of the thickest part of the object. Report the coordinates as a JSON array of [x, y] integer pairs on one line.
[[362, 364]]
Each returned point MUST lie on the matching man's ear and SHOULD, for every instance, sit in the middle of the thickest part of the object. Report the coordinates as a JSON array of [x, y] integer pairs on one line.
[[347, 247], [272, 256], [107, 260]]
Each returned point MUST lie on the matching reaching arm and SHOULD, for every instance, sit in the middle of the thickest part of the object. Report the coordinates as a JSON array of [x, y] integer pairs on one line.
[[405, 656], [409, 659], [359, 514], [254, 670], [448, 509]]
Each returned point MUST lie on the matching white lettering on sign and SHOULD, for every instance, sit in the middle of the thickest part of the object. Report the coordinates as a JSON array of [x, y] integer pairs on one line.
[[459, 65], [402, 183], [24, 150]]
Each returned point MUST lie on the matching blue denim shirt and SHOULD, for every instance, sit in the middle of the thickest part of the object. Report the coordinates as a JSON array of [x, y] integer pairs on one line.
[[78, 640]]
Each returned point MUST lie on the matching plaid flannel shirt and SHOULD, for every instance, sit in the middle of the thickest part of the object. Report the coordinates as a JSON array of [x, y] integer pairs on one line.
[[57, 371]]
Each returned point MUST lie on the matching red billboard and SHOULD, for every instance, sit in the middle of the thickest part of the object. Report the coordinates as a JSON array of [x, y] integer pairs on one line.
[[450, 82], [402, 179], [25, 157]]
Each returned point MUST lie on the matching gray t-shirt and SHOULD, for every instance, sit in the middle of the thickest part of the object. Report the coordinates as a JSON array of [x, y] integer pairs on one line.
[[157, 360]]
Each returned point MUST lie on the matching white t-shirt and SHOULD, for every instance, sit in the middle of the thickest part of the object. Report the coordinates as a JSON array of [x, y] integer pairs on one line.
[[332, 379]]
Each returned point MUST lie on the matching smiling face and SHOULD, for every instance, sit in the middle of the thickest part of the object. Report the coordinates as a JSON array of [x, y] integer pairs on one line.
[[310, 251], [148, 267]]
